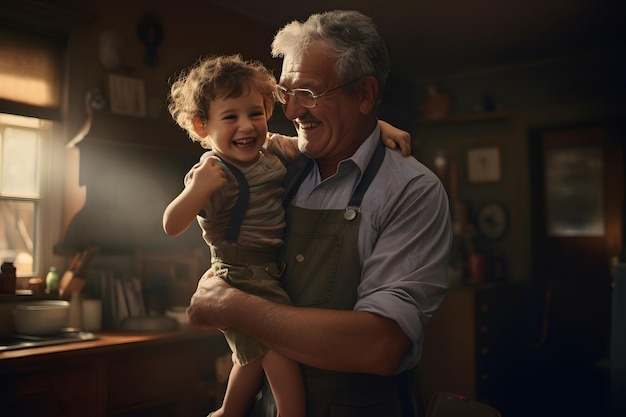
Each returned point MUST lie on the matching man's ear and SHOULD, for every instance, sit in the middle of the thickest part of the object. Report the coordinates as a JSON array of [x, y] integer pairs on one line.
[[199, 127], [368, 88]]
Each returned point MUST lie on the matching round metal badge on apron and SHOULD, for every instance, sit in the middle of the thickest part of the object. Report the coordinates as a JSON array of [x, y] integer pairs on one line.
[[324, 271]]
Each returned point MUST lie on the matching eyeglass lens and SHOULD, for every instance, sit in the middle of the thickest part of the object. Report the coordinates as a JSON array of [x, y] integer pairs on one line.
[[305, 97]]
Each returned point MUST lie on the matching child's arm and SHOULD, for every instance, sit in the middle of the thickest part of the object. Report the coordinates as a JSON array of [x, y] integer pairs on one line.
[[207, 177], [393, 137]]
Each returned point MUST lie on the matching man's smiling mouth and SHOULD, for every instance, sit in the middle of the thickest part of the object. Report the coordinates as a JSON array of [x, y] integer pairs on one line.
[[308, 124]]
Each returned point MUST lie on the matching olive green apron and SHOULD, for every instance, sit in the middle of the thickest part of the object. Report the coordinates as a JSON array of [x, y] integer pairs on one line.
[[324, 271]]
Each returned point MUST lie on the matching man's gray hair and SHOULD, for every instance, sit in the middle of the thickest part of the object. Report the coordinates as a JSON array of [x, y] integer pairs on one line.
[[350, 35]]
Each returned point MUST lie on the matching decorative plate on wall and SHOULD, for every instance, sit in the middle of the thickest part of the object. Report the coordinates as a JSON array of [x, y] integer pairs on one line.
[[493, 220]]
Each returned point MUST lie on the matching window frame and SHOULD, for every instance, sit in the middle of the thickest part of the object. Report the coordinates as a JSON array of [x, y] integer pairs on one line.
[[48, 211]]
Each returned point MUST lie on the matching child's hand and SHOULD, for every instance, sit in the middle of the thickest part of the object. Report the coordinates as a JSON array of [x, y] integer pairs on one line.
[[207, 176], [393, 137]]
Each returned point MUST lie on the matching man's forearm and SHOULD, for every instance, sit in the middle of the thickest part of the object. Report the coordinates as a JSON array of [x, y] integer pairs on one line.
[[346, 341]]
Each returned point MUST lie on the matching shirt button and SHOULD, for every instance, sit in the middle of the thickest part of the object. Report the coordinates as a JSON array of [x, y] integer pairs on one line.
[[300, 257]]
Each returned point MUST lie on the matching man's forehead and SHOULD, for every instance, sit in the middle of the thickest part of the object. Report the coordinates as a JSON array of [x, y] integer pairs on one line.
[[313, 64]]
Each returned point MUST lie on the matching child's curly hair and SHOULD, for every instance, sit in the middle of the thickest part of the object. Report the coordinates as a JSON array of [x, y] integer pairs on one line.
[[217, 77]]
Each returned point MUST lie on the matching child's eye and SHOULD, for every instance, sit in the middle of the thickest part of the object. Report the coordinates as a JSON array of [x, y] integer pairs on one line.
[[258, 114], [230, 117]]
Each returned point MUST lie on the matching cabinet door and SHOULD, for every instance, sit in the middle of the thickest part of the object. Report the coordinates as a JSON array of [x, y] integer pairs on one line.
[[69, 391], [448, 361], [167, 380]]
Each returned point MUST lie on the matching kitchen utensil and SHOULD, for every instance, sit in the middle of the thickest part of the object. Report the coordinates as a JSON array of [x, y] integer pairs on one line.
[[38, 318]]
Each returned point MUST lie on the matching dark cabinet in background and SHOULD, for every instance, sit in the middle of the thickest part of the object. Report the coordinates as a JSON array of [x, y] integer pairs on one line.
[[470, 345], [151, 375]]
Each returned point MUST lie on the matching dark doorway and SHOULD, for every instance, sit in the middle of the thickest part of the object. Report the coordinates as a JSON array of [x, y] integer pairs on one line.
[[577, 186]]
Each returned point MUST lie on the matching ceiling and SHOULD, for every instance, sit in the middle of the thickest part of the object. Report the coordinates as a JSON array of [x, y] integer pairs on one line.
[[431, 38]]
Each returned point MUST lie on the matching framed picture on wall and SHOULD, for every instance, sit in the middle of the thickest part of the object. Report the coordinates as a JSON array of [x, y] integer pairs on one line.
[[483, 165], [127, 95]]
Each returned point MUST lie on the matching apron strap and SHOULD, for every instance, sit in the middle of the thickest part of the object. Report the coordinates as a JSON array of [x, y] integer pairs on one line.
[[297, 170], [368, 176]]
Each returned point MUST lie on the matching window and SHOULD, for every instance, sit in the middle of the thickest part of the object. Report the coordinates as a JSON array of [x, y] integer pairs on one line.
[[23, 142], [31, 68]]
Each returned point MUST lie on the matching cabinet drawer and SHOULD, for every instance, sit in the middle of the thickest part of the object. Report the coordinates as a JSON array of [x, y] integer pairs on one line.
[[69, 391]]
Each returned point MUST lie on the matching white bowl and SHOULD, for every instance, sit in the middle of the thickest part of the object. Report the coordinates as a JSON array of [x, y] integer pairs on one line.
[[40, 318]]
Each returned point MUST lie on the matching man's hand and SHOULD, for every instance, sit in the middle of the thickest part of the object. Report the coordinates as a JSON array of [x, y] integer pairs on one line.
[[208, 303]]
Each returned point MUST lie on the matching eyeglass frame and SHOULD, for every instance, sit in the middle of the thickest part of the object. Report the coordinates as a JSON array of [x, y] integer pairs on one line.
[[281, 93]]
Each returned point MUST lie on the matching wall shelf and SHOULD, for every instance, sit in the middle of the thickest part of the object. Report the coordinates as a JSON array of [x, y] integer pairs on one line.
[[461, 118]]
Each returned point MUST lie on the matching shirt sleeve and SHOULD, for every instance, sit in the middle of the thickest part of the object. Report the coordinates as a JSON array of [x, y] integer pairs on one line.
[[405, 266]]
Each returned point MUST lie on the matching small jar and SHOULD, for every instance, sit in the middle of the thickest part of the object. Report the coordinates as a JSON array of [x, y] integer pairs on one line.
[[37, 285], [8, 278]]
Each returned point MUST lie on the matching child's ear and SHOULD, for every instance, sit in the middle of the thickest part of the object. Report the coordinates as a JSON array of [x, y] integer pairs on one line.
[[199, 127]]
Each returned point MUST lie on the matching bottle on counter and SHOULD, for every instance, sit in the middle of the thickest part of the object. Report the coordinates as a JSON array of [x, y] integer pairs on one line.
[[8, 278], [52, 281]]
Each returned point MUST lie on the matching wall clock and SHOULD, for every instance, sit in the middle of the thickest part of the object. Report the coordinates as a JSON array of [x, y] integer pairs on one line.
[[493, 220]]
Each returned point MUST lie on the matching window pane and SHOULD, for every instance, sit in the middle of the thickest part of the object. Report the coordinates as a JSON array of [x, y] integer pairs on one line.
[[20, 163], [575, 192], [17, 234]]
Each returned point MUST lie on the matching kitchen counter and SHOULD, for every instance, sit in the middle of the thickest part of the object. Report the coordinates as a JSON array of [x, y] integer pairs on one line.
[[108, 341], [118, 374]]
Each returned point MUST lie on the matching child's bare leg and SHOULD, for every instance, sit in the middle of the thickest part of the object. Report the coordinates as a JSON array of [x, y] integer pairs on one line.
[[285, 378], [244, 383]]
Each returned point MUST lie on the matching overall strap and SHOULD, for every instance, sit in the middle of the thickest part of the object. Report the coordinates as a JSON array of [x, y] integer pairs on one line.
[[239, 211]]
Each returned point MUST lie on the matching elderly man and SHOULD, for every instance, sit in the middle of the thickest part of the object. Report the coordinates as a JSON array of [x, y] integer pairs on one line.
[[368, 232]]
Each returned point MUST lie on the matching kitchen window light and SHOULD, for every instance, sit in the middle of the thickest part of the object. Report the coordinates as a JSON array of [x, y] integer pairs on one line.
[[23, 185], [31, 187]]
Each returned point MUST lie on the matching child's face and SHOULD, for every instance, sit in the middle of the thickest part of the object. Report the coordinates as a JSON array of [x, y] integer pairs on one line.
[[237, 128]]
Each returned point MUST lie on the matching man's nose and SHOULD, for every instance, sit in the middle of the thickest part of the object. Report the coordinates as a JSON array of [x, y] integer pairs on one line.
[[293, 110]]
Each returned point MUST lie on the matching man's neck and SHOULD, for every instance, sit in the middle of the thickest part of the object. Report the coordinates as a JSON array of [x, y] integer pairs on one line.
[[328, 166]]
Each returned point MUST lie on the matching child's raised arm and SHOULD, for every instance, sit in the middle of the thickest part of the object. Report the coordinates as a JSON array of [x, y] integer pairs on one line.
[[391, 137], [206, 177]]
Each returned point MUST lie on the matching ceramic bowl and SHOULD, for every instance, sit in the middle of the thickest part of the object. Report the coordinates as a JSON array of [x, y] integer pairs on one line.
[[39, 318]]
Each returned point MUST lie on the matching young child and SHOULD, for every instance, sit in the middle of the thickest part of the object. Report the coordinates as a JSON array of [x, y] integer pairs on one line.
[[224, 103]]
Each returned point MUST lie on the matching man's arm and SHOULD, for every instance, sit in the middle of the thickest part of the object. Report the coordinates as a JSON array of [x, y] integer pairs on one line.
[[337, 340]]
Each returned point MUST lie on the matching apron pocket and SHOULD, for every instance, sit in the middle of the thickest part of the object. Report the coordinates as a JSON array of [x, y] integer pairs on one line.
[[305, 253]]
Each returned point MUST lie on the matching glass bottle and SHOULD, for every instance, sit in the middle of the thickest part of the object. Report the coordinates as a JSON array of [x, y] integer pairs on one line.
[[52, 280]]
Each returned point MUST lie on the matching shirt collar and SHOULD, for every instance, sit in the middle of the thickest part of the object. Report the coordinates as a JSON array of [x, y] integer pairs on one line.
[[361, 158]]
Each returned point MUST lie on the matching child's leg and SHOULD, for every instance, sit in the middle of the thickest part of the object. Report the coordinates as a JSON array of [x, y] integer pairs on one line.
[[286, 382], [244, 383]]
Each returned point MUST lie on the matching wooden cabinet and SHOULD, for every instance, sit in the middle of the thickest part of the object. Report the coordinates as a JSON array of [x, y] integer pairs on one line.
[[472, 341], [118, 375], [54, 389]]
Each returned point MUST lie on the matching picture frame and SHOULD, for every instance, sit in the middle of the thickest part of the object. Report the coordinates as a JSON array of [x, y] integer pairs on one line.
[[127, 95], [483, 165]]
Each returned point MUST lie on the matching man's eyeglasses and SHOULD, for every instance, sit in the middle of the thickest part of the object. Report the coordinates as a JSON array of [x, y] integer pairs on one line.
[[304, 97]]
